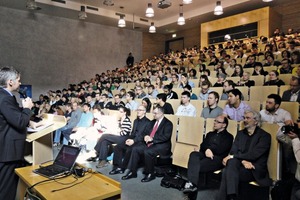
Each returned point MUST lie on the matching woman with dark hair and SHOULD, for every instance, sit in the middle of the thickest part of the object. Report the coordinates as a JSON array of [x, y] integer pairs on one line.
[[193, 74], [285, 54], [202, 79], [295, 57], [238, 71], [274, 79], [103, 145], [147, 104]]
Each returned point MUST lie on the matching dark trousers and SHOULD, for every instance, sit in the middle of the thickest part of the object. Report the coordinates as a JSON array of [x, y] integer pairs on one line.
[[232, 174], [8, 180], [102, 146], [149, 153], [199, 163], [296, 191], [122, 153]]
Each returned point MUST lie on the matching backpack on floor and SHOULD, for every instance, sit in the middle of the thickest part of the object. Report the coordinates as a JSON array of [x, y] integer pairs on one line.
[[173, 182]]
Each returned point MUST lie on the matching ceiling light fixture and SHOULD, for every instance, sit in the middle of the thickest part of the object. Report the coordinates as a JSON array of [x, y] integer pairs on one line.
[[108, 3], [82, 14], [31, 5], [218, 9], [267, 0], [149, 11], [152, 28], [187, 1], [181, 20], [122, 22]]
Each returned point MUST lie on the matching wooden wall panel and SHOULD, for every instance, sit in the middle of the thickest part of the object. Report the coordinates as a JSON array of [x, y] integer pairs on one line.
[[153, 44]]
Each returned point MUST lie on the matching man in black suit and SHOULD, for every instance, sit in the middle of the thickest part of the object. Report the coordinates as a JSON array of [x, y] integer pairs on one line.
[[215, 146], [156, 142], [248, 158], [122, 151], [13, 123], [293, 94]]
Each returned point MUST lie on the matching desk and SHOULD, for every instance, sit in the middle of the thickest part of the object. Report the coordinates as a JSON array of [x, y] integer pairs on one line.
[[94, 188]]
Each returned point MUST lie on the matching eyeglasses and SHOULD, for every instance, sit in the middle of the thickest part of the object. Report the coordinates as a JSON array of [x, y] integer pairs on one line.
[[140, 110], [216, 121]]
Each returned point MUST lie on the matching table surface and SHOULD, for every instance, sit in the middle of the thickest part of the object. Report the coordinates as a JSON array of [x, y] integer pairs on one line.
[[94, 185]]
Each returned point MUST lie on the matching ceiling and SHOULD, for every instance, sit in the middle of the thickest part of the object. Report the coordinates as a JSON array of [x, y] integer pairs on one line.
[[165, 20]]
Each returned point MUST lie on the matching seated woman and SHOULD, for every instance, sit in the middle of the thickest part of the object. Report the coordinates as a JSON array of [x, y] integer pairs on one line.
[[274, 79], [259, 70], [245, 80], [106, 140], [238, 71], [147, 104], [220, 81]]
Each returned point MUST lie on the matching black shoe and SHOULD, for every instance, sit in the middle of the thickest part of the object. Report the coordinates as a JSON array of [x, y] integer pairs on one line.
[[117, 171], [148, 178], [92, 159], [129, 175], [189, 187]]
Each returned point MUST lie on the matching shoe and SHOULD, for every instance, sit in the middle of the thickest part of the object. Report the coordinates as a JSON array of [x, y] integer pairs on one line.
[[56, 144], [116, 171], [101, 163], [129, 175], [92, 159], [189, 187], [148, 178]]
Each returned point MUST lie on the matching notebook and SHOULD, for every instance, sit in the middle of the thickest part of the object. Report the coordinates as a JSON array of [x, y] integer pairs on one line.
[[63, 163]]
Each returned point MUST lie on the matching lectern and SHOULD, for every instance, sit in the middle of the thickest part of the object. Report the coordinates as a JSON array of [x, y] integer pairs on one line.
[[39, 144]]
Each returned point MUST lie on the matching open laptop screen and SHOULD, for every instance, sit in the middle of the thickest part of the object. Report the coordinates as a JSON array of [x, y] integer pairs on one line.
[[67, 156]]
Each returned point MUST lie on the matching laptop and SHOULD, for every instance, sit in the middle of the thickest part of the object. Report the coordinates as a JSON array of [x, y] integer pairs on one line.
[[63, 163]]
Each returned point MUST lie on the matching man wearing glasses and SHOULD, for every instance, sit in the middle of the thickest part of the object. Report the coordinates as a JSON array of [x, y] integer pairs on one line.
[[286, 67], [213, 149], [156, 142], [122, 151], [247, 160]]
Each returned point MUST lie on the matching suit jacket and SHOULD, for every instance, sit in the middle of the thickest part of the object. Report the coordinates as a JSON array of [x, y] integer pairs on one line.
[[140, 127], [286, 96], [162, 137], [13, 123], [219, 143], [257, 154]]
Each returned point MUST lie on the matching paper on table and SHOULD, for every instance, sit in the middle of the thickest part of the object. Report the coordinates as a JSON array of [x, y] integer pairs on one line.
[[45, 125]]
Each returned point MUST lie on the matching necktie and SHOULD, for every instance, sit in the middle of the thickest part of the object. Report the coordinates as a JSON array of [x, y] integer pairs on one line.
[[153, 132]]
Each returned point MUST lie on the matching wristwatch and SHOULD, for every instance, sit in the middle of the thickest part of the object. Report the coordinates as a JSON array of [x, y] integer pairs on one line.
[[231, 156]]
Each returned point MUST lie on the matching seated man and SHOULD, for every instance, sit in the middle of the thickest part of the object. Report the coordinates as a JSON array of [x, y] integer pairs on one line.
[[156, 142], [204, 90], [105, 102], [293, 94], [235, 108], [296, 149], [186, 108], [215, 146], [122, 151], [248, 158], [212, 110], [130, 102], [161, 101], [169, 92], [86, 120]]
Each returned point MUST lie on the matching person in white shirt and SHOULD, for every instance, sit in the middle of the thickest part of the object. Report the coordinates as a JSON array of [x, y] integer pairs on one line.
[[275, 115], [186, 108]]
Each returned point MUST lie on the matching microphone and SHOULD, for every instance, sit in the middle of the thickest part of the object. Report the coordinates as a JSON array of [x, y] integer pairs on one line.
[[23, 92]]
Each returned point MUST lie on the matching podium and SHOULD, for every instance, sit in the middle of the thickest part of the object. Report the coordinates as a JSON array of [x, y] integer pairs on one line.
[[39, 144]]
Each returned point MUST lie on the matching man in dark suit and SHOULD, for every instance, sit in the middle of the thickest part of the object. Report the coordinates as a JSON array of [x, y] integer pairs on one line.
[[13, 123], [122, 151], [156, 142], [215, 146], [293, 94], [248, 158]]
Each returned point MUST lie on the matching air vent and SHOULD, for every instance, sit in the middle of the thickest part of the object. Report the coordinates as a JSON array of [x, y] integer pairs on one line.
[[144, 20], [92, 8], [59, 1]]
